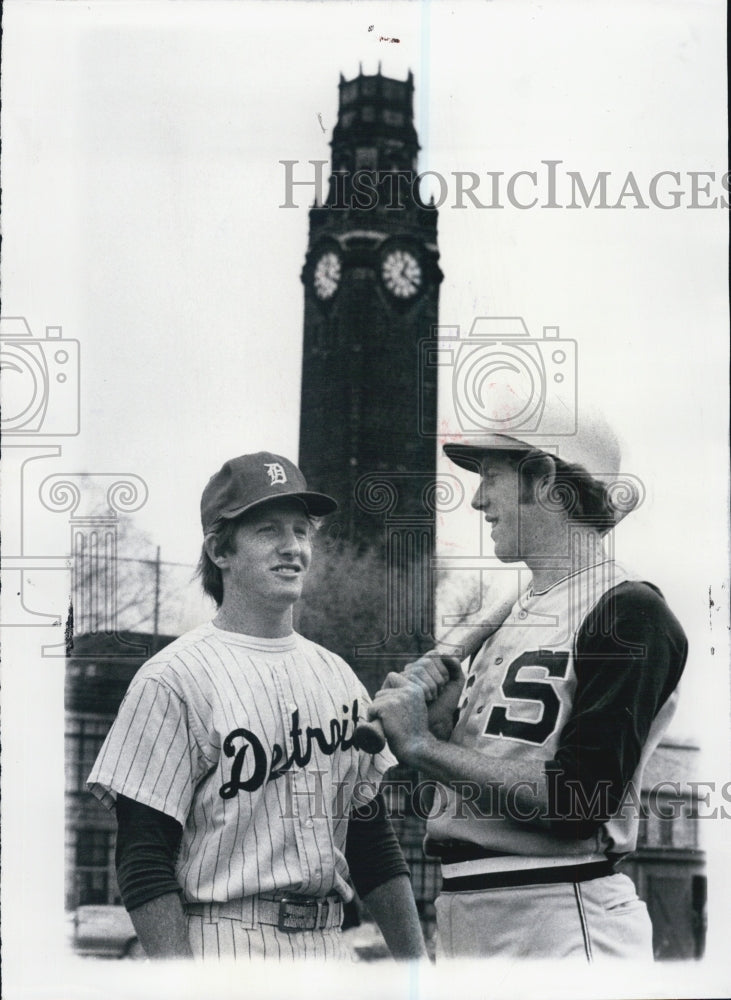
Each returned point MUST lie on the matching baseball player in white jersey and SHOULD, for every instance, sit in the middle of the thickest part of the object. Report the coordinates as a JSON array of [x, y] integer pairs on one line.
[[243, 806], [538, 771]]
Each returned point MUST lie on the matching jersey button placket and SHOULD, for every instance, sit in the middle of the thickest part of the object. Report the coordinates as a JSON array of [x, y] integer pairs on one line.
[[299, 794]]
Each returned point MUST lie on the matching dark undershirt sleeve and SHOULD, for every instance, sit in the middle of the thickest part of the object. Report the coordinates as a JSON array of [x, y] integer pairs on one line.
[[630, 653], [147, 846], [148, 842], [372, 849]]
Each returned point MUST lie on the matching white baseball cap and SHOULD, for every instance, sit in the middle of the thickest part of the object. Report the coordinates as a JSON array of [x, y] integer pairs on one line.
[[594, 447]]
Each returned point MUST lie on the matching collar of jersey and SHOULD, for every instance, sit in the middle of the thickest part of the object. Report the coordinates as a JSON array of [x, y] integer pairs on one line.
[[539, 593], [254, 641]]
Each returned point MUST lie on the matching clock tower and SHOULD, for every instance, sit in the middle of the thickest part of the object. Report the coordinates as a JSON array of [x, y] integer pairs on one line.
[[371, 279]]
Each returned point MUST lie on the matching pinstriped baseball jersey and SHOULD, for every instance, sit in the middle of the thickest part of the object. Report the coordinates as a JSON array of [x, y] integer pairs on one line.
[[518, 696], [246, 742]]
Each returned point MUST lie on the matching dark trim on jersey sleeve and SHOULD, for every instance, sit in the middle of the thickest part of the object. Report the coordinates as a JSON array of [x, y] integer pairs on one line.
[[372, 849], [629, 655], [147, 846]]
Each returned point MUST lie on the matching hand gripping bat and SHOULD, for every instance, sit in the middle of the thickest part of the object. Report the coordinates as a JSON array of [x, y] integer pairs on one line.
[[369, 735]]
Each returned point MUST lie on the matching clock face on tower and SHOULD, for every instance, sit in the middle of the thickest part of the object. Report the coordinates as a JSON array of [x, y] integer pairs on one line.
[[327, 275], [401, 273]]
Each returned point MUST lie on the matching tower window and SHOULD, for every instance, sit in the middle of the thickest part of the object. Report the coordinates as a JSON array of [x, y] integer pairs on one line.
[[392, 91], [365, 158]]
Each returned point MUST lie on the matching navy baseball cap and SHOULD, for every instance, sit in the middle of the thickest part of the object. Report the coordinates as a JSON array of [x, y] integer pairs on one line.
[[249, 480]]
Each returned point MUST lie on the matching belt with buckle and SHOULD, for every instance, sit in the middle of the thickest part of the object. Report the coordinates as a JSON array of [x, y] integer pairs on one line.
[[526, 876], [307, 913], [288, 912], [468, 868]]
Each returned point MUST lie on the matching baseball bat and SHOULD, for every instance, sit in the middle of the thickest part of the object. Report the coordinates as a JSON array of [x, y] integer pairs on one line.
[[369, 735]]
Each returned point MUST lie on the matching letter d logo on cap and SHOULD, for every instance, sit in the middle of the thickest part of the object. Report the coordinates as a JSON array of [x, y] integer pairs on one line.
[[276, 473]]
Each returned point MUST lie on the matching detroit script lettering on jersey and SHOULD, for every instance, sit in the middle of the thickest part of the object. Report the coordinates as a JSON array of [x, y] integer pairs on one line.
[[247, 749]]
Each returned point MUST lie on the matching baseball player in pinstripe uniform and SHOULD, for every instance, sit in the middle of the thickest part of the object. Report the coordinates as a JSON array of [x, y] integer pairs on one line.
[[243, 806], [539, 770]]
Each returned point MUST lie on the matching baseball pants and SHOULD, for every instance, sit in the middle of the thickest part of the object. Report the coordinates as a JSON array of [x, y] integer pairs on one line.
[[600, 918], [214, 933]]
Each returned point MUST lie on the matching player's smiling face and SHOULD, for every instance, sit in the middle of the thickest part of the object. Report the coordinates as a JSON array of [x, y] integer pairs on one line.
[[498, 498], [272, 554]]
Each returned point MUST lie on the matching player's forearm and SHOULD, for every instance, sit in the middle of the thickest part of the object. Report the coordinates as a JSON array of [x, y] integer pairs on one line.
[[162, 928], [392, 906], [504, 785], [521, 788]]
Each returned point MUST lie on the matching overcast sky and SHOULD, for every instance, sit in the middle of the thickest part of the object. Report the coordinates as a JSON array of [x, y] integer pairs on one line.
[[141, 191]]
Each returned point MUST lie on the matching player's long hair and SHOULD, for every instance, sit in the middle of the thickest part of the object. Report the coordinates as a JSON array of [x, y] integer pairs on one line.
[[209, 574], [584, 498]]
